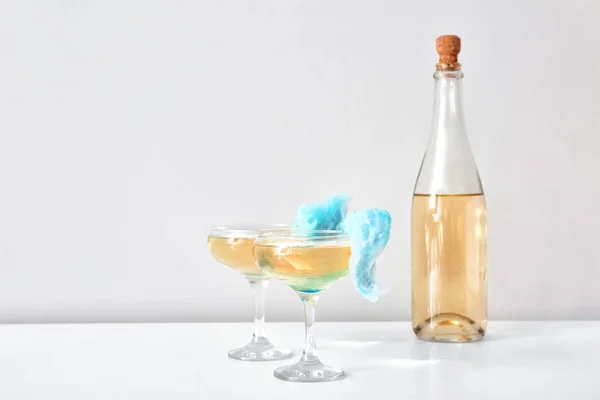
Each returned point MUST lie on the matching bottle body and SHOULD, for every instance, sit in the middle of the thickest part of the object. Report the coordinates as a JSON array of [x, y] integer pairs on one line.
[[449, 228], [449, 268]]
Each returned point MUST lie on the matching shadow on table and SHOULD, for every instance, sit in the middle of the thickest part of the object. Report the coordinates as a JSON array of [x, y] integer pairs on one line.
[[388, 349]]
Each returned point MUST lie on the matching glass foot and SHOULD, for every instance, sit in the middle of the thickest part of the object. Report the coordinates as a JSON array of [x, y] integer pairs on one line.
[[260, 350], [308, 372]]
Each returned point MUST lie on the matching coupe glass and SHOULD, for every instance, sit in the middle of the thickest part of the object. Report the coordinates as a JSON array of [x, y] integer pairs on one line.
[[233, 246], [309, 262]]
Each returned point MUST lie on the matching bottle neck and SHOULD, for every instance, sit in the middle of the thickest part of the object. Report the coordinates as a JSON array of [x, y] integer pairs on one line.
[[447, 108], [448, 166]]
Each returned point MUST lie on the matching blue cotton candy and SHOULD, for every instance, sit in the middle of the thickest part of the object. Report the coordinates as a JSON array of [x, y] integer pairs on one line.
[[323, 216], [369, 232]]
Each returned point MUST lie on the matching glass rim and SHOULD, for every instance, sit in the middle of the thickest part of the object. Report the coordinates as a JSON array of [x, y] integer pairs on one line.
[[301, 235], [244, 230]]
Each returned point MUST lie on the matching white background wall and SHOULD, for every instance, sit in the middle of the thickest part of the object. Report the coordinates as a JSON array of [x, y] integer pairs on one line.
[[128, 128]]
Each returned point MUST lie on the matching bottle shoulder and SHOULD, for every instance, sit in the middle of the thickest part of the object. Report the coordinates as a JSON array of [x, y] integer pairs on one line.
[[448, 169]]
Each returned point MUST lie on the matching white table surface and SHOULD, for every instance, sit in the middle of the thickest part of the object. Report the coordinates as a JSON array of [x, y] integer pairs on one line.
[[382, 361]]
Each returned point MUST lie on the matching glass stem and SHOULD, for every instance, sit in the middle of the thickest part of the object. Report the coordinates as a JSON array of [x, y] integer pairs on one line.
[[259, 288], [309, 355]]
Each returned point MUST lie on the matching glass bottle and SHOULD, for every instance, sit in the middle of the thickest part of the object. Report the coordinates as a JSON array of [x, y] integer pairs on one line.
[[449, 226]]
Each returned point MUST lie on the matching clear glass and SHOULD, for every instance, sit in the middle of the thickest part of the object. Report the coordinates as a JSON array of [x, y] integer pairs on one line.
[[449, 228], [309, 262], [233, 246]]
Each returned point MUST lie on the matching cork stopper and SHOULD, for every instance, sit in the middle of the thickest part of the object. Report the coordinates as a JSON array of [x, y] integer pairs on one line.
[[448, 47]]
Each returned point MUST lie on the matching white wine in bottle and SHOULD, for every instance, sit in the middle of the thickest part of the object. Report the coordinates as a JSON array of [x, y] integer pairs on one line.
[[449, 221]]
